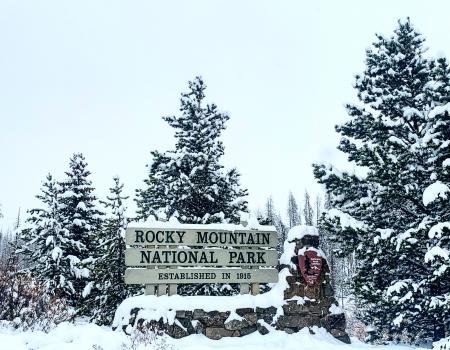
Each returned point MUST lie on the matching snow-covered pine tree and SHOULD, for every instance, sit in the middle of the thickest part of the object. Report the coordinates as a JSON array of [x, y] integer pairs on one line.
[[44, 242], [293, 212], [82, 220], [109, 287], [380, 215], [189, 182], [308, 211]]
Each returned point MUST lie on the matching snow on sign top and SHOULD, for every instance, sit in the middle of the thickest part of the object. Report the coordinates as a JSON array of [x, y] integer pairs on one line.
[[174, 223]]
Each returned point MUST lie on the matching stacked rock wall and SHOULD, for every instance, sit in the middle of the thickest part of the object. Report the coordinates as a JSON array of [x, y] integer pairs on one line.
[[304, 306]]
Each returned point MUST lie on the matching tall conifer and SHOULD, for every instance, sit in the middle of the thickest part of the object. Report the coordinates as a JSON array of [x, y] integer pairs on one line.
[[189, 182], [82, 220], [109, 287], [382, 215]]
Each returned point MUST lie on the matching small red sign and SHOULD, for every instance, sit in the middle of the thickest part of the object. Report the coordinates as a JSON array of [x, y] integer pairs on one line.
[[310, 265]]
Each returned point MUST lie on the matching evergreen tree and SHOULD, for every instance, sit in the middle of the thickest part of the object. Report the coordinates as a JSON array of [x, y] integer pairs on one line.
[[381, 217], [308, 212], [82, 220], [189, 182], [45, 243], [293, 212], [110, 288]]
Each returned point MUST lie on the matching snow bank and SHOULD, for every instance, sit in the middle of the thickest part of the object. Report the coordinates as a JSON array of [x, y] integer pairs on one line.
[[434, 191], [156, 307], [300, 231], [65, 336], [442, 344], [88, 337]]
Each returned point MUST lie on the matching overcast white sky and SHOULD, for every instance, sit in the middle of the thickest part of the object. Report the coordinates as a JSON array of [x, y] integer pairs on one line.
[[96, 77]]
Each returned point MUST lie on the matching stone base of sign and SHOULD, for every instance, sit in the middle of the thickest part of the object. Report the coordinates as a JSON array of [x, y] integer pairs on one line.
[[212, 324], [305, 306]]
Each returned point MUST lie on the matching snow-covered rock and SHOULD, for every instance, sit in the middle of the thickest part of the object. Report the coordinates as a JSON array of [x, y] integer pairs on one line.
[[300, 231]]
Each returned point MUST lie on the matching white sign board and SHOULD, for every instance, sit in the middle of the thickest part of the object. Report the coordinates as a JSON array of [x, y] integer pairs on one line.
[[200, 257], [171, 254], [200, 237], [180, 276]]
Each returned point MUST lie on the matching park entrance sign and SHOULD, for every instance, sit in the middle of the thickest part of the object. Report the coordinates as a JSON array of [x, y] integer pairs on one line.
[[162, 255]]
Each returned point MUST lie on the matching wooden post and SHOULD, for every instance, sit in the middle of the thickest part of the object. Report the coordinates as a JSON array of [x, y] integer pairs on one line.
[[149, 289], [255, 288], [244, 288], [161, 289], [173, 289]]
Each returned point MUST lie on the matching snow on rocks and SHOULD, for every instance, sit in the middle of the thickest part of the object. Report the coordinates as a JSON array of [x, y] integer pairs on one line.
[[157, 307], [300, 231], [233, 317], [335, 310], [434, 191]]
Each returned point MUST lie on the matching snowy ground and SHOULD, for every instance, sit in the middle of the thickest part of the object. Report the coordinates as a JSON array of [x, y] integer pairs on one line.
[[91, 337]]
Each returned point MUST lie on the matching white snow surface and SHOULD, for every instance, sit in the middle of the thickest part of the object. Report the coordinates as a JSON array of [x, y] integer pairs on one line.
[[67, 336], [442, 344], [434, 191], [300, 231]]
